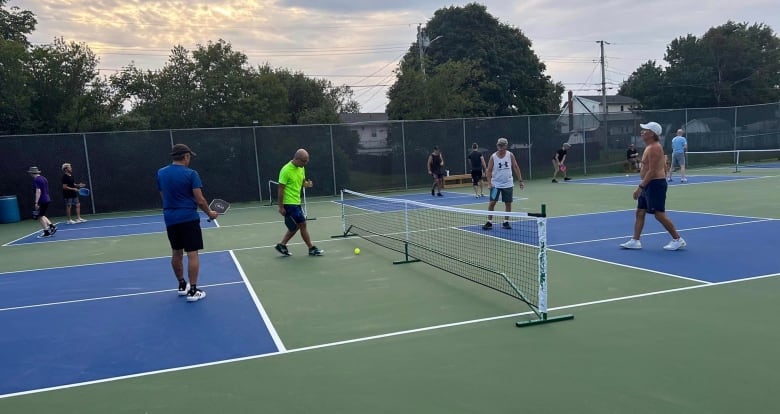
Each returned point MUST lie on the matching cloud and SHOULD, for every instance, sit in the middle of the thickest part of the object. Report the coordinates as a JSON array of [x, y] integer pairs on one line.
[[344, 38]]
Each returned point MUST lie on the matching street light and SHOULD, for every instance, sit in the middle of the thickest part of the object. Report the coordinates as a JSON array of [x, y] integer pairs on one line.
[[423, 43]]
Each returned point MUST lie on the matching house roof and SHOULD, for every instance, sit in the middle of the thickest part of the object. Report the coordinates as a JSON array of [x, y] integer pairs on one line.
[[612, 99], [363, 117]]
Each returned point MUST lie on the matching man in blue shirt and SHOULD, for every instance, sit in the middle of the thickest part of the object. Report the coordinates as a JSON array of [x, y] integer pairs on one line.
[[679, 149], [182, 194]]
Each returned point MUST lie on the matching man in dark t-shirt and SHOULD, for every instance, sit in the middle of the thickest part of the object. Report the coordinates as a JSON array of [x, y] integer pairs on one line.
[[42, 200], [70, 192], [559, 163], [435, 169], [477, 170], [632, 158]]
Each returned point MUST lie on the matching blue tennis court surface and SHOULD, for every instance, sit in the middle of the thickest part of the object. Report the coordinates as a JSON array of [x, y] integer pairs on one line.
[[83, 323], [449, 199], [711, 255], [107, 227], [633, 180]]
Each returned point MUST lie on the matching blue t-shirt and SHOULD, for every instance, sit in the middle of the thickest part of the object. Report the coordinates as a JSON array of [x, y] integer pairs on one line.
[[176, 183], [678, 144]]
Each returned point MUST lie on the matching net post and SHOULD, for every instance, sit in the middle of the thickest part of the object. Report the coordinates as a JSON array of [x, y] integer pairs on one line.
[[306, 206], [541, 311], [736, 165], [407, 258], [270, 194], [344, 229]]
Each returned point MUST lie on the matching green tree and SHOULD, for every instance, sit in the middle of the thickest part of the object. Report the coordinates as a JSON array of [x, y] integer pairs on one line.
[[15, 25], [67, 94], [512, 79], [731, 64]]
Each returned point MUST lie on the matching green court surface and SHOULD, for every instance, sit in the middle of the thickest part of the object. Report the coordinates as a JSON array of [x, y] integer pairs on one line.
[[365, 336]]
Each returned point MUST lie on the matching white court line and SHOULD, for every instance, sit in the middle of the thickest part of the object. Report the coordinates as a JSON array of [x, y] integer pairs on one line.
[[263, 314], [53, 240], [714, 226], [21, 238], [721, 215], [67, 302], [625, 183], [383, 336], [631, 267]]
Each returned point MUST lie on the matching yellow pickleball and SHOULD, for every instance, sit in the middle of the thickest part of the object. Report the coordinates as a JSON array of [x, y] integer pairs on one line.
[[357, 250]]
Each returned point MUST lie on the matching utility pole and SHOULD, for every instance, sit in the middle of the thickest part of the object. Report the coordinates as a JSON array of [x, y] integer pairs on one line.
[[605, 108], [421, 44]]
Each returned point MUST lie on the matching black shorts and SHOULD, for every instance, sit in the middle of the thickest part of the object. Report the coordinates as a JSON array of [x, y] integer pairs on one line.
[[653, 197], [294, 216], [437, 175], [42, 209], [504, 194], [476, 176], [187, 236]]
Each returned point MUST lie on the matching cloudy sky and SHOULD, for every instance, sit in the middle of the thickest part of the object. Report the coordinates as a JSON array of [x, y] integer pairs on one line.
[[359, 42]]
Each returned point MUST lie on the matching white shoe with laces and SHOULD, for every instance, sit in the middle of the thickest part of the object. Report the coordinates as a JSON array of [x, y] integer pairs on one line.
[[71, 222], [195, 295], [81, 220], [632, 245], [676, 244]]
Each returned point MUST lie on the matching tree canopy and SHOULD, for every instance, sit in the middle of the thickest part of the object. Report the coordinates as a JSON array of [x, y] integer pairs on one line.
[[731, 64], [57, 88], [478, 67]]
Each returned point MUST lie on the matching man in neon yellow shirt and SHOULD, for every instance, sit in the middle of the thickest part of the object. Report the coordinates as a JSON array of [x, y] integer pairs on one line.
[[292, 178]]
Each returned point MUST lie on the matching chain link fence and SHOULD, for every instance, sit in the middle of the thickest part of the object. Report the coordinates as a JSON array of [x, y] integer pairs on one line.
[[236, 163]]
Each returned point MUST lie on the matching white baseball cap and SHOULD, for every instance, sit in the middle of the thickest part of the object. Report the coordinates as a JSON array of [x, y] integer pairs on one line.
[[502, 142], [652, 126]]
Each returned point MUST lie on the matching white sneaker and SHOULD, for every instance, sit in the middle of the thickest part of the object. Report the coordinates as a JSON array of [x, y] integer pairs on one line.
[[81, 220], [684, 180], [196, 295], [676, 244], [669, 179], [632, 245], [71, 222]]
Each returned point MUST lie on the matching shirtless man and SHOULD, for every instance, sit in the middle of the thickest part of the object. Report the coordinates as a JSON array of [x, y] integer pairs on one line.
[[651, 193]]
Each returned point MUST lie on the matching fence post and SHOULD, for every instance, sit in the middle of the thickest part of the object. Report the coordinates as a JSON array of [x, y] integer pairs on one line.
[[170, 134], [584, 148], [403, 148], [530, 173], [257, 166], [465, 149], [333, 160], [89, 173]]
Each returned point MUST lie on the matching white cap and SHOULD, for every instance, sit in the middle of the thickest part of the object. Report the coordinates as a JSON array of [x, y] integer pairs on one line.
[[502, 141], [652, 126]]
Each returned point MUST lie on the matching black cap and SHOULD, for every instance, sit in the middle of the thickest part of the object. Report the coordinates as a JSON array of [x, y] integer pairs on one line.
[[180, 149]]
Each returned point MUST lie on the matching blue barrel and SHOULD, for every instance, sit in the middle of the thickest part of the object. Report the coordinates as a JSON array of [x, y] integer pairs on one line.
[[9, 209]]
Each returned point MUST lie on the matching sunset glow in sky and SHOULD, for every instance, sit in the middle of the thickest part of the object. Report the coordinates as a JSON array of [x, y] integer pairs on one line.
[[360, 42]]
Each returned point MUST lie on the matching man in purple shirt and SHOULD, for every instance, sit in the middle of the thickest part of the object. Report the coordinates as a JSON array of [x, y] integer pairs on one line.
[[42, 200]]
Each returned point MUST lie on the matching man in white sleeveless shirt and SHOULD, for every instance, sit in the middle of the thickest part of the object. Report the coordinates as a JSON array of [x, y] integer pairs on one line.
[[499, 175]]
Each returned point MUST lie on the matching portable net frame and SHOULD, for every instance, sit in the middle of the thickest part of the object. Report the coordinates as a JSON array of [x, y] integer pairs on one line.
[[511, 261]]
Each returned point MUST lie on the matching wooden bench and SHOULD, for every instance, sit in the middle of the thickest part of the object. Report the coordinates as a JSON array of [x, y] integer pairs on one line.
[[460, 180]]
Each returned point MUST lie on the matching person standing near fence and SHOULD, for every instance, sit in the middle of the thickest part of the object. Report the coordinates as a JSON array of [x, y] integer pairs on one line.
[[182, 193], [436, 169], [559, 163], [651, 192], [292, 179], [679, 152], [502, 183], [70, 192], [477, 170], [42, 200]]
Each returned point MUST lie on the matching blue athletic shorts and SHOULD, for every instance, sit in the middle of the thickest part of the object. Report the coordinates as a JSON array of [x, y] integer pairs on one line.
[[504, 194], [678, 160], [294, 216], [653, 197]]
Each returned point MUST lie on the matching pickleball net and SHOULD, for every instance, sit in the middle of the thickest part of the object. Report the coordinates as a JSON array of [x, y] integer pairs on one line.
[[511, 261], [739, 160]]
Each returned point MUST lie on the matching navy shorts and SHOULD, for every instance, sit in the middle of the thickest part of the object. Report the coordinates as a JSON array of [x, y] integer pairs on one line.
[[293, 217], [42, 208], [437, 175], [476, 176], [505, 194], [185, 236], [653, 197]]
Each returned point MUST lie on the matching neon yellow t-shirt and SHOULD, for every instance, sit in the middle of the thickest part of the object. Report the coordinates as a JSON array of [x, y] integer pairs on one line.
[[292, 177]]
